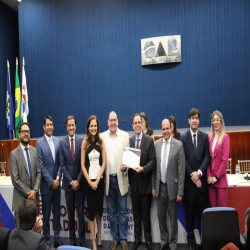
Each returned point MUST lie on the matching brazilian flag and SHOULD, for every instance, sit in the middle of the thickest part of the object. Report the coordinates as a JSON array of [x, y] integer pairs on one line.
[[18, 119]]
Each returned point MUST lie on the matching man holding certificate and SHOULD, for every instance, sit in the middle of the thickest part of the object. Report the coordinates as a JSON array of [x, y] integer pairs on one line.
[[140, 182]]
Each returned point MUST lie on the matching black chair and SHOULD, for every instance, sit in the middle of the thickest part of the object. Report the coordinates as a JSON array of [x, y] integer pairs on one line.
[[219, 226], [4, 238]]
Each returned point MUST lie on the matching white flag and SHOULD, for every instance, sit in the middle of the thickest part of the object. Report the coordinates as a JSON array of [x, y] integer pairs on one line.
[[25, 105]]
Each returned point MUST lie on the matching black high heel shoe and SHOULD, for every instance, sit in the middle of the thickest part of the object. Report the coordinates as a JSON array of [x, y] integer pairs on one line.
[[100, 246]]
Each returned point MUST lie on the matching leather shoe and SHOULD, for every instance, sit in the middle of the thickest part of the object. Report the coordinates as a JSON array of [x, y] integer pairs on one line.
[[82, 244], [136, 245], [149, 245], [189, 247], [124, 246], [58, 244], [113, 245]]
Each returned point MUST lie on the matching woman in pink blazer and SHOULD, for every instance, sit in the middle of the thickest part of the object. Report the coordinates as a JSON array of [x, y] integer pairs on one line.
[[219, 144]]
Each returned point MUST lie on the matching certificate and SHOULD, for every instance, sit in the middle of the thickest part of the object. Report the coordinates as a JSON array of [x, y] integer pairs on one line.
[[131, 157]]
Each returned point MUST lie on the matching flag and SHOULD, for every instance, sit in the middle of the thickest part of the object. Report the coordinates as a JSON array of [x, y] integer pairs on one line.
[[18, 119], [25, 105], [9, 108]]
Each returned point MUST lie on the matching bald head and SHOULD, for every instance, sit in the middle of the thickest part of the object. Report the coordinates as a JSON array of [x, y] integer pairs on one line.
[[166, 129]]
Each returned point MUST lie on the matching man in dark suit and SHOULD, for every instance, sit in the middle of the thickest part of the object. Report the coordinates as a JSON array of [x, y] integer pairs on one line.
[[24, 237], [70, 162], [25, 171], [168, 184], [48, 156], [140, 183], [196, 148]]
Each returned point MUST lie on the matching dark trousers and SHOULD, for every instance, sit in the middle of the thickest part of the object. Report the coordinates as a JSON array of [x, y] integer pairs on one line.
[[75, 198], [196, 202], [141, 207]]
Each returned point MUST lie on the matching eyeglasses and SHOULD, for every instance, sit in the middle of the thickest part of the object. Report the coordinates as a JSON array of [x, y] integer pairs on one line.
[[215, 120], [25, 131], [113, 120], [135, 123]]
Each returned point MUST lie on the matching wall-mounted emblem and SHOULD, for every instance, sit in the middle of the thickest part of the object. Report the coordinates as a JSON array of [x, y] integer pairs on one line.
[[162, 49]]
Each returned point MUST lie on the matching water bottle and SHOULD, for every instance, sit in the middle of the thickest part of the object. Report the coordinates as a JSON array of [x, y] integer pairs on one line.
[[237, 172]]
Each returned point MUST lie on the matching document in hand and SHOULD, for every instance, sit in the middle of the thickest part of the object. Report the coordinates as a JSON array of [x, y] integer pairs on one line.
[[131, 157]]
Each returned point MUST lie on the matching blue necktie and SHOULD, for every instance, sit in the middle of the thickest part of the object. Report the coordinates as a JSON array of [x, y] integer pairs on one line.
[[51, 148], [29, 165], [195, 149], [163, 169]]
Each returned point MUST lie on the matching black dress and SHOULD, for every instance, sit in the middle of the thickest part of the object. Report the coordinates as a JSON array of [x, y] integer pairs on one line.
[[149, 131], [93, 164]]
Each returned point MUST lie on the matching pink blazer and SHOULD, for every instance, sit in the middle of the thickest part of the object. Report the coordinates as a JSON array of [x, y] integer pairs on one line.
[[219, 160]]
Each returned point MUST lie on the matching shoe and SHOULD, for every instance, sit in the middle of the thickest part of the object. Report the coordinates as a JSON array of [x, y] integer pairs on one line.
[[58, 244], [100, 246], [74, 244], [113, 245], [82, 244], [149, 245], [189, 247], [124, 246], [136, 245]]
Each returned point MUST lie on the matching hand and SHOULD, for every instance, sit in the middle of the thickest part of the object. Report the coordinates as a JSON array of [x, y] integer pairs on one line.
[[213, 180], [153, 193], [75, 185], [209, 180], [38, 225], [32, 195], [55, 184], [195, 176], [199, 184], [93, 185], [122, 168], [138, 169], [179, 198]]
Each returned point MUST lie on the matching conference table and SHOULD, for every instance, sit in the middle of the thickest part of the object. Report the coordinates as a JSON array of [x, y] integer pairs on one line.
[[238, 198]]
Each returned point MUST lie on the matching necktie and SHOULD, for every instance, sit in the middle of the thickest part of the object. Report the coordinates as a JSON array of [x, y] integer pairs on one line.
[[195, 149], [163, 169], [137, 145], [51, 148], [29, 165], [72, 149]]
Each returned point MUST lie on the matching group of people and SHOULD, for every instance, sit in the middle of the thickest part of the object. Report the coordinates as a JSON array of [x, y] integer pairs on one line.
[[175, 167]]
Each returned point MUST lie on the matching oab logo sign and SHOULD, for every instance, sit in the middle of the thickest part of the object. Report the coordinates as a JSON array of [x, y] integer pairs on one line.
[[163, 49]]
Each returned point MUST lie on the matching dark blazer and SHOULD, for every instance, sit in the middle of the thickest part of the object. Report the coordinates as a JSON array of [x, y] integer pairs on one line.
[[20, 175], [21, 239], [4, 238], [50, 168], [71, 169], [147, 161], [194, 163]]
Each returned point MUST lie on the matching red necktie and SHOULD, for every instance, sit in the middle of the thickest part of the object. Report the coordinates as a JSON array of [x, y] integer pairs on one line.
[[72, 149]]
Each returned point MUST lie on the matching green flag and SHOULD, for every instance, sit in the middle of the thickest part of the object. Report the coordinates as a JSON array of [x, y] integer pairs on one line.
[[18, 119]]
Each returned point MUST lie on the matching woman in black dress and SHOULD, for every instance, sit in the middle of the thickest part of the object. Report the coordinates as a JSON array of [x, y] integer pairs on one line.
[[145, 127], [175, 133], [93, 163]]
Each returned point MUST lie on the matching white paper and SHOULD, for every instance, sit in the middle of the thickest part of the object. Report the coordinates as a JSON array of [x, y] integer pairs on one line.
[[131, 157]]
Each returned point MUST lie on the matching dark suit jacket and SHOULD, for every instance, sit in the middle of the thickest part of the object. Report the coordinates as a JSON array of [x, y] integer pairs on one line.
[[20, 239], [194, 163], [50, 168], [20, 175], [4, 238], [71, 169], [147, 161]]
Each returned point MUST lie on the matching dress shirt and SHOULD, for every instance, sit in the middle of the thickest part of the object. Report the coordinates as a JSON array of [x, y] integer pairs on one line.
[[74, 137], [112, 153], [52, 143], [140, 137], [192, 135], [162, 152], [25, 154]]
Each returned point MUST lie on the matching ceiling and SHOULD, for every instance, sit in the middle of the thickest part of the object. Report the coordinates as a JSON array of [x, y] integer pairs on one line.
[[12, 3]]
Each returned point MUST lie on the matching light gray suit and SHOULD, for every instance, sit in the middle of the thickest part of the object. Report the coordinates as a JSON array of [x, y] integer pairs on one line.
[[166, 194], [20, 175]]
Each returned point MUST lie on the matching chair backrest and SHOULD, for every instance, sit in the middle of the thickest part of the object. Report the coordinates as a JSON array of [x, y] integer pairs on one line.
[[229, 166], [244, 166], [220, 226], [2, 167], [65, 247]]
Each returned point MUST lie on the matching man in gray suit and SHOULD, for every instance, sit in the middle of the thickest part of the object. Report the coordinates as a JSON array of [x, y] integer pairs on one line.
[[168, 184], [25, 170]]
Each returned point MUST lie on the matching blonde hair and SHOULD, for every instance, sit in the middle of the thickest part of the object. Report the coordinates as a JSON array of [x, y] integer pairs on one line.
[[222, 130]]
